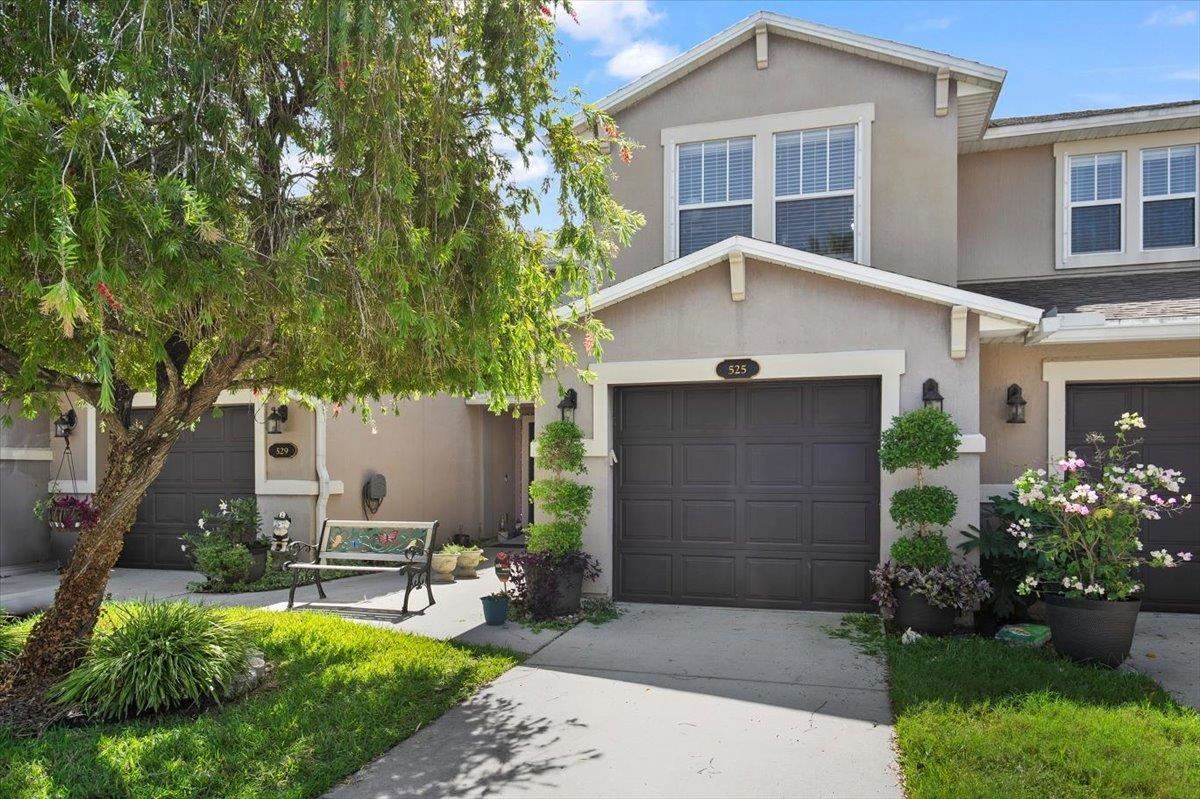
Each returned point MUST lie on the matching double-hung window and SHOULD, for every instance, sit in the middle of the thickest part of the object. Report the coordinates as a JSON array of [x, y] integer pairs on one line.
[[1169, 197], [1096, 202], [716, 192], [814, 190]]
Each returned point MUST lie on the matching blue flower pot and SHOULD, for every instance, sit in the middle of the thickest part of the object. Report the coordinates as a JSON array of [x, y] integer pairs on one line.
[[495, 610]]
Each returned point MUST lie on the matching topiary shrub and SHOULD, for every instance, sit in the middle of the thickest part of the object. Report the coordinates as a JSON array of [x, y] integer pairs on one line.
[[928, 505], [555, 538], [921, 552], [560, 447], [153, 657], [922, 439], [563, 499]]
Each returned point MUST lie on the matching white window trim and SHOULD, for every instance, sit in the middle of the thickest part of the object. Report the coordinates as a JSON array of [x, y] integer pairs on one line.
[[1072, 204], [762, 130], [1057, 374], [1132, 253], [1194, 194]]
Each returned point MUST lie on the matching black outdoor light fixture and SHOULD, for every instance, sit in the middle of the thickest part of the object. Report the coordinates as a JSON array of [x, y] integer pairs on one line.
[[65, 423], [276, 418], [569, 402], [1016, 405], [930, 395]]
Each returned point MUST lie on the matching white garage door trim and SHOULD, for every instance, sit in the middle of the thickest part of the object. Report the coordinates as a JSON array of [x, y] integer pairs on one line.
[[1058, 373]]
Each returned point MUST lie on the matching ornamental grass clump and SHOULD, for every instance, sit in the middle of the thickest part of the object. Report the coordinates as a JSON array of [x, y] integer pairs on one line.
[[921, 560], [1092, 549], [152, 657]]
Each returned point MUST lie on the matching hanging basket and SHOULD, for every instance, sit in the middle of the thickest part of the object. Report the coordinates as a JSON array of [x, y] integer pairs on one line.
[[63, 519]]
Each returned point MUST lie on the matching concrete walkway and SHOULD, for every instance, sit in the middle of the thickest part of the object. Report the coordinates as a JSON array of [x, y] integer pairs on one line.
[[666, 701], [1166, 646]]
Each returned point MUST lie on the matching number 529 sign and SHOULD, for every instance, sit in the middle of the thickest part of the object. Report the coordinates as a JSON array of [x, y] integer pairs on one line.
[[737, 368]]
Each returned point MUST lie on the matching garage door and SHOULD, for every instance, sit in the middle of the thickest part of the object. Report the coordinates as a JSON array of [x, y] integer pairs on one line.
[[748, 494], [211, 463], [1172, 439]]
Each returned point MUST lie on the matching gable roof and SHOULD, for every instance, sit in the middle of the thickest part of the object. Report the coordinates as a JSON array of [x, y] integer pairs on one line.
[[1163, 295], [986, 79], [1096, 123], [808, 262]]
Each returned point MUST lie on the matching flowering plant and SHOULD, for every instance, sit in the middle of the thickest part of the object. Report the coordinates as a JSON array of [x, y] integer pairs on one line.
[[1092, 549], [955, 585], [66, 512]]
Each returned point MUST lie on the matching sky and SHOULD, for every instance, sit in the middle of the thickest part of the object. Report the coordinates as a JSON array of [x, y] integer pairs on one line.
[[1060, 56]]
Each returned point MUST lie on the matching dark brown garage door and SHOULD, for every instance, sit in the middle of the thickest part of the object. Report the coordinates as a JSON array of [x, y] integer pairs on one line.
[[1172, 439], [211, 463], [750, 494]]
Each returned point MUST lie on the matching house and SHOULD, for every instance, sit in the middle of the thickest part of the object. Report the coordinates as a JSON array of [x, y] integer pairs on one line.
[[837, 231]]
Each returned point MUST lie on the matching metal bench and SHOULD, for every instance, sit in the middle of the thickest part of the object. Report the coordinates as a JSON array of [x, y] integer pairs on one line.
[[399, 547]]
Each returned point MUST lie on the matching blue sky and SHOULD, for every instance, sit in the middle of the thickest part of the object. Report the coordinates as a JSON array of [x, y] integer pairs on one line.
[[1060, 56]]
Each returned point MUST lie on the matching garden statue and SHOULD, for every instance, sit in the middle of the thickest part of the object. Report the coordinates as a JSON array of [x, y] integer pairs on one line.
[[280, 535]]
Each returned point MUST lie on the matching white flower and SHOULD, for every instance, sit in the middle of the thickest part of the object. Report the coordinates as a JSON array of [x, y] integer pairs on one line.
[[1066, 582], [224, 506], [200, 522], [910, 636], [1023, 544]]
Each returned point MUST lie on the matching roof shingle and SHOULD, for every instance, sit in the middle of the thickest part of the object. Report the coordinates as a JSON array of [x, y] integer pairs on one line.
[[1095, 112], [1142, 296]]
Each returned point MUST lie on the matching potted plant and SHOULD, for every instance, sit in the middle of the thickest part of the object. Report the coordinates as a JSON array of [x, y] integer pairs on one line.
[[228, 546], [921, 587], [445, 560], [1091, 554], [550, 574], [495, 608], [469, 558], [67, 517]]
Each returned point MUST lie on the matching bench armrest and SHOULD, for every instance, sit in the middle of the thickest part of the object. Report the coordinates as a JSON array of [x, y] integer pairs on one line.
[[296, 547]]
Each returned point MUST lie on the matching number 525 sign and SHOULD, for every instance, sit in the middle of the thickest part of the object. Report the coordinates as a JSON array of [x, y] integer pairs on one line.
[[737, 368]]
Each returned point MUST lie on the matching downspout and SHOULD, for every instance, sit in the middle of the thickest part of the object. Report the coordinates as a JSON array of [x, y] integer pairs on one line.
[[322, 473]]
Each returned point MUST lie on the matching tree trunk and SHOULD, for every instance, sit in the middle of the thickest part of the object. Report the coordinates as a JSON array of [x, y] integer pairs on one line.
[[58, 640]]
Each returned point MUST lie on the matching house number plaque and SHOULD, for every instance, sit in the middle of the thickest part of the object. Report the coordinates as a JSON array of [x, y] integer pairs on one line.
[[737, 368], [283, 449]]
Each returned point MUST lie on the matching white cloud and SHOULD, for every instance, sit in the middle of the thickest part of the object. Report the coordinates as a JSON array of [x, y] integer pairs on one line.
[[639, 58], [1172, 16], [537, 168], [1185, 74], [931, 24], [615, 28]]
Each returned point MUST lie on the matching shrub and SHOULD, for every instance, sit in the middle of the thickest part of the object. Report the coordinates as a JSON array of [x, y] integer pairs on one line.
[[554, 538], [218, 559], [922, 439], [154, 657], [957, 585], [920, 506], [13, 633], [565, 500], [922, 552], [560, 447]]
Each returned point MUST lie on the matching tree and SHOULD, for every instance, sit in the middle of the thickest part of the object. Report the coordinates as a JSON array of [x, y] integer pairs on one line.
[[298, 194]]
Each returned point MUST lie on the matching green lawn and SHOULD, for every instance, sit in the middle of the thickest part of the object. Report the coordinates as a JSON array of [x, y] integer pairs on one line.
[[975, 718], [341, 694]]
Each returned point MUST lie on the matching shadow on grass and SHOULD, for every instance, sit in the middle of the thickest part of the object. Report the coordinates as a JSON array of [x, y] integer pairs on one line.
[[341, 694]]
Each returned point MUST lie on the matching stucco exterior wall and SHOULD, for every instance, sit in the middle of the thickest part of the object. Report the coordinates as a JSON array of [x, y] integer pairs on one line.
[[443, 459], [1015, 447], [785, 312], [24, 541], [914, 161]]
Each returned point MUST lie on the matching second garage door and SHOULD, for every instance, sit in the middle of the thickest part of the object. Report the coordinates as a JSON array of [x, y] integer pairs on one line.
[[750, 494]]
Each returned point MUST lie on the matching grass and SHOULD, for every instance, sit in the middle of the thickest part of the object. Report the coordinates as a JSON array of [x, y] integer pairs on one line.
[[976, 718], [596, 610], [341, 694]]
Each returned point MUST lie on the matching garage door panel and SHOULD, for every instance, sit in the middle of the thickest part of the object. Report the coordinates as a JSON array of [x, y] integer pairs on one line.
[[708, 576], [709, 465], [844, 463], [175, 469], [170, 507], [752, 464], [646, 465], [774, 464], [775, 579], [646, 411], [1171, 439], [774, 522], [708, 521], [167, 552], [646, 519], [207, 467]]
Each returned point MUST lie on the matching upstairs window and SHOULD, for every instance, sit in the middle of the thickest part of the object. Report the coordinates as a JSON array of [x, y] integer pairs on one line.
[[1169, 197], [1097, 202], [814, 191], [716, 192]]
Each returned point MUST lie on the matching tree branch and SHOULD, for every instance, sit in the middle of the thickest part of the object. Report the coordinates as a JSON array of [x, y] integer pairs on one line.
[[51, 379]]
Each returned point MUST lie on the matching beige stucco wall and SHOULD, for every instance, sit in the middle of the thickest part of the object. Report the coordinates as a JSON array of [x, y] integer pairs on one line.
[[785, 312], [1014, 447], [443, 459], [24, 541], [301, 430], [913, 160]]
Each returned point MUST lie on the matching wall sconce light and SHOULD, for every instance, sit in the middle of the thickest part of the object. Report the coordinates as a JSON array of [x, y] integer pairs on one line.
[[1016, 405], [569, 402], [65, 423], [930, 395], [275, 420]]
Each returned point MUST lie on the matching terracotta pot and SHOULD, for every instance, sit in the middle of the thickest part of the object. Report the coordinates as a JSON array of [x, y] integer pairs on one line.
[[467, 563], [1092, 630], [444, 564], [914, 612]]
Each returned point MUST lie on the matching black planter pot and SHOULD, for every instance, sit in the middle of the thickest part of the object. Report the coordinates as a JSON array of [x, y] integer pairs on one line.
[[568, 591], [258, 561], [914, 612], [1092, 630], [62, 543]]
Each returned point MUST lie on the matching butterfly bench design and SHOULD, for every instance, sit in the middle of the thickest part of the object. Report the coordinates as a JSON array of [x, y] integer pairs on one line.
[[403, 548]]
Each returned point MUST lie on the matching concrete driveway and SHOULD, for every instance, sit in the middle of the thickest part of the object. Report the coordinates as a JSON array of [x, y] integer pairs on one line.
[[666, 701]]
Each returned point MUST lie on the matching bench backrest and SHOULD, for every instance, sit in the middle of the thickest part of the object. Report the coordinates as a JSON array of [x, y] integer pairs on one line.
[[381, 541]]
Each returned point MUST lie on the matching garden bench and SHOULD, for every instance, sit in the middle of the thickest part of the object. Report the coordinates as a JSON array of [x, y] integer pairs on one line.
[[398, 547]]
